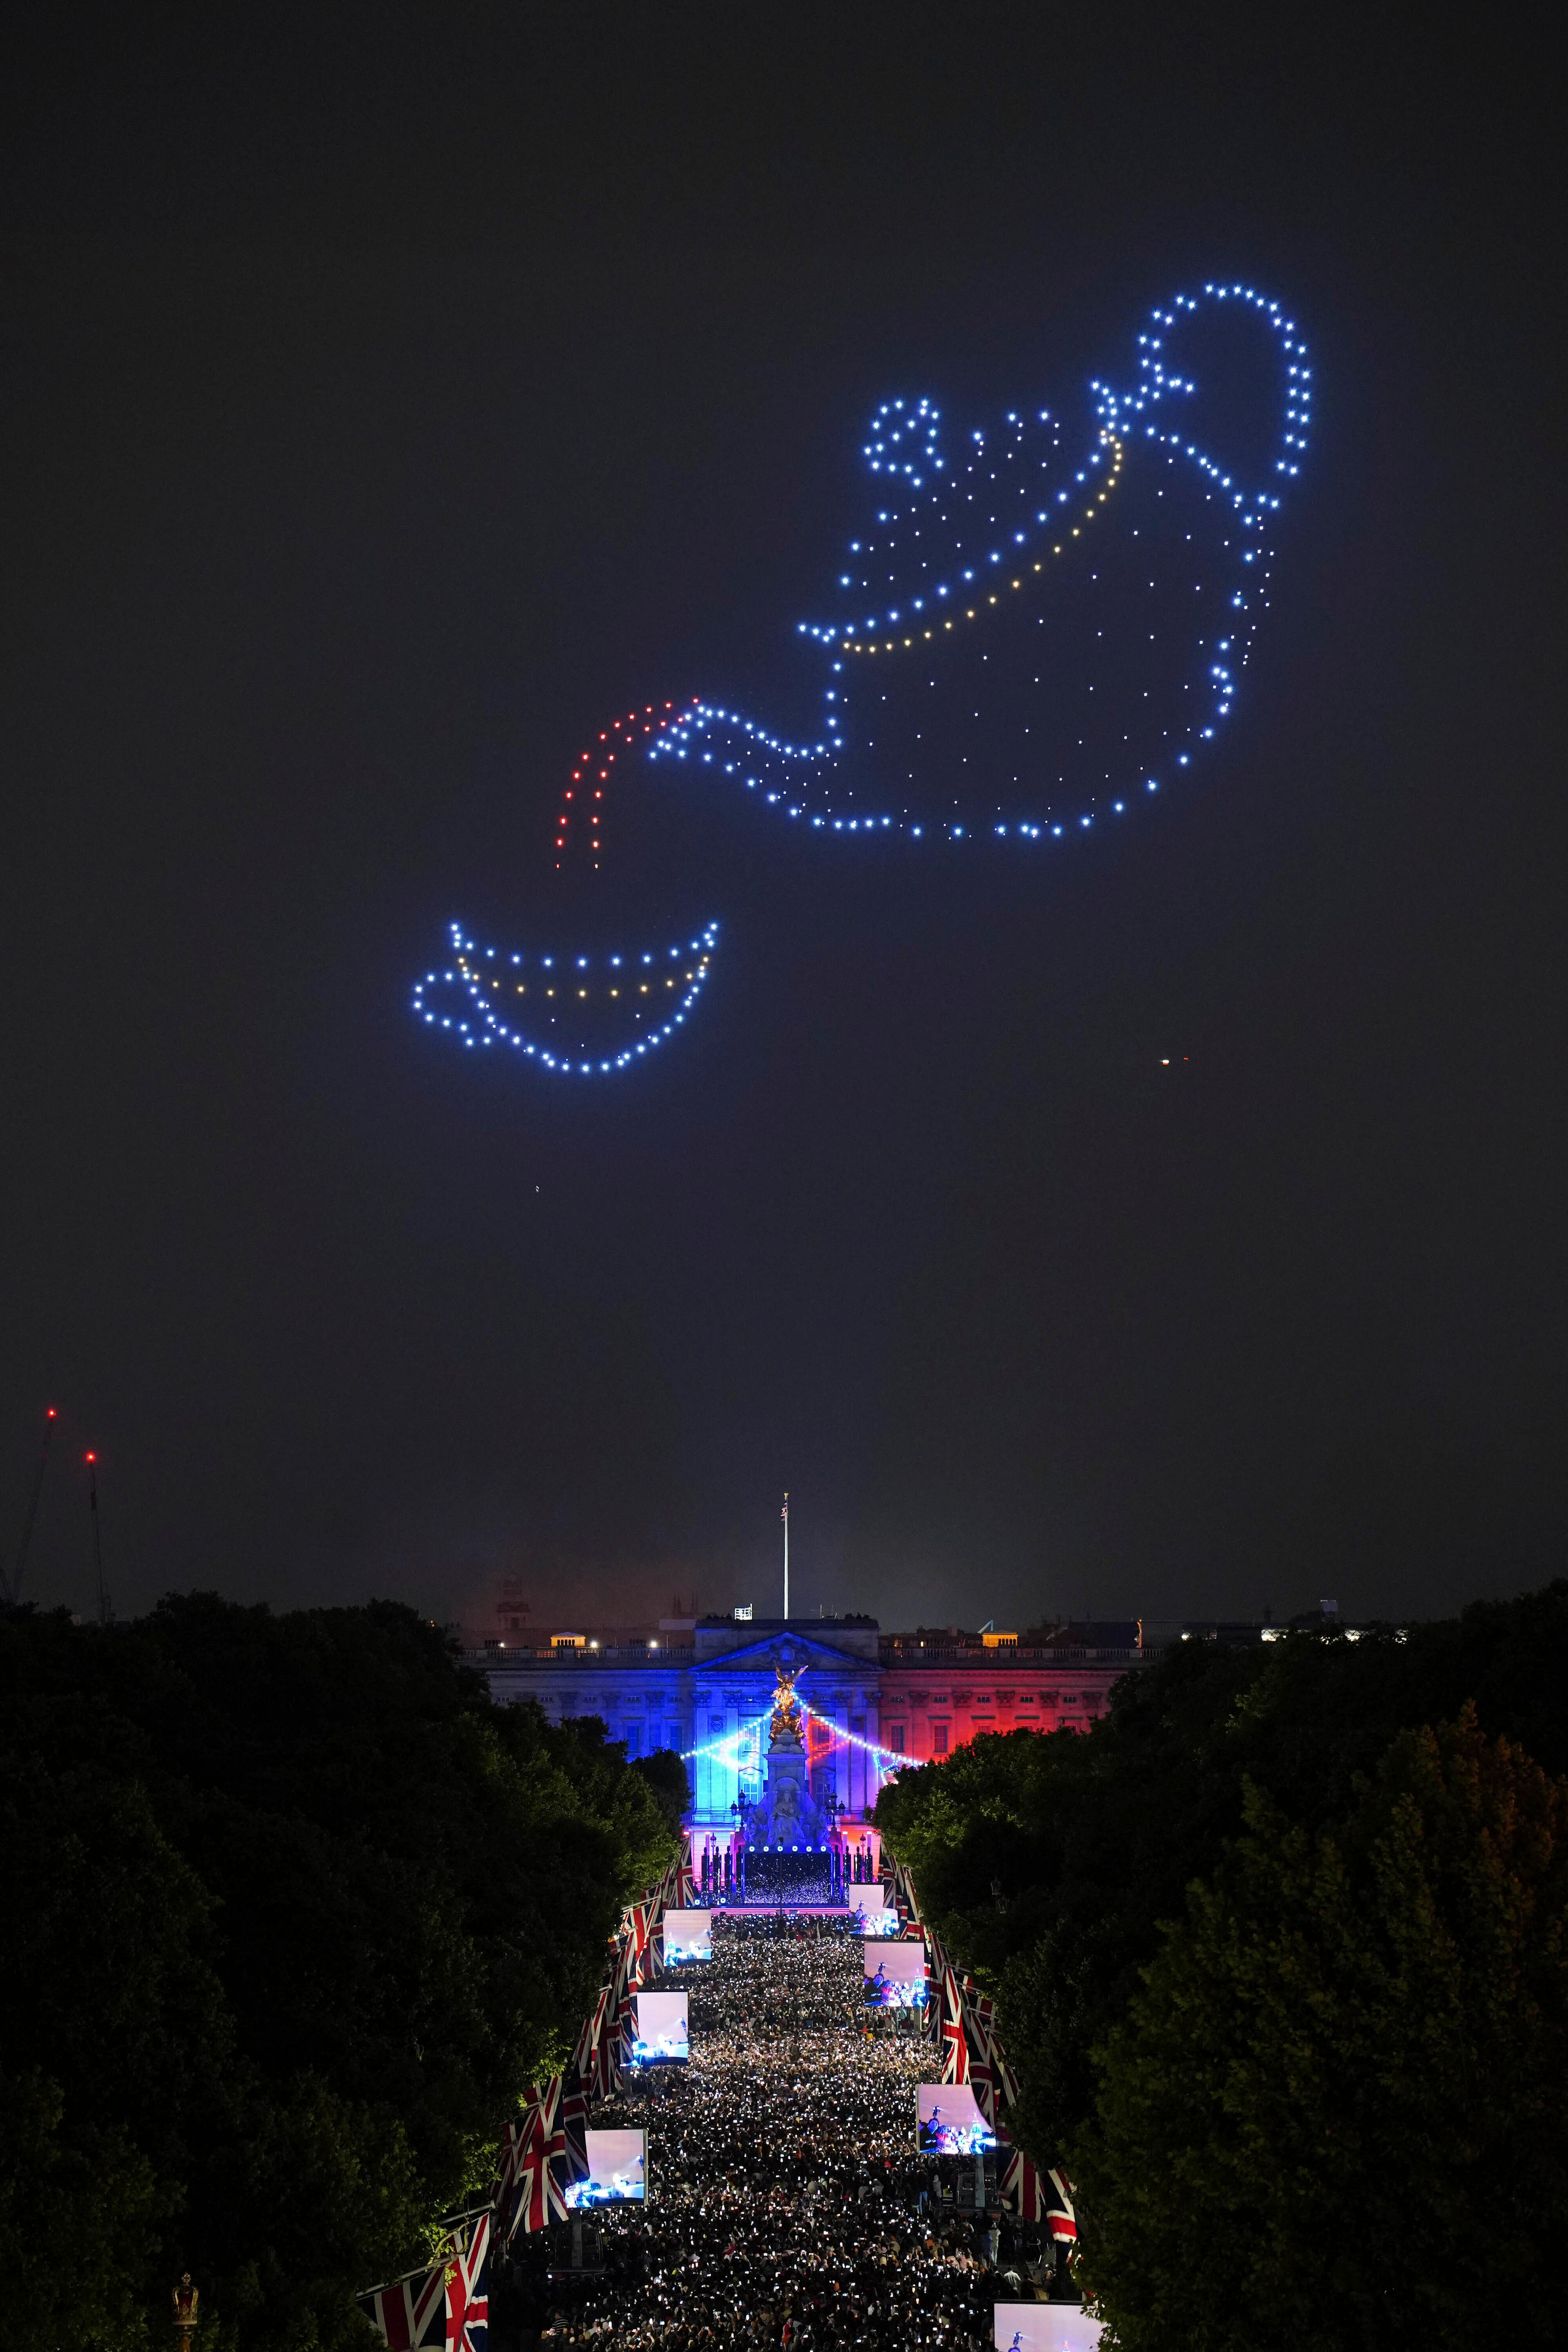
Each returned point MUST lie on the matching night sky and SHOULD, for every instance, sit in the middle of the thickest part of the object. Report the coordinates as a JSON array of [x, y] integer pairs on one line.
[[1170, 1225]]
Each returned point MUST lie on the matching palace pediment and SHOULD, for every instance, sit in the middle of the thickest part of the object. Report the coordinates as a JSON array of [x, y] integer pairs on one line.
[[803, 1651]]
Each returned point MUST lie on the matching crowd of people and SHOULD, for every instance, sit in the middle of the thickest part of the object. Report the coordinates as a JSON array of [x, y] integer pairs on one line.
[[787, 2203]]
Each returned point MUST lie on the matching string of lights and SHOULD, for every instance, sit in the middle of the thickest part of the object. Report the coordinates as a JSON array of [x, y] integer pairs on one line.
[[729, 1751], [720, 1749], [890, 1756], [641, 999]]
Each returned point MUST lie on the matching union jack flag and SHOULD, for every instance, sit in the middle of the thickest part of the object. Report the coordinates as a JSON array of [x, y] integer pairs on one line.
[[1059, 2211], [981, 2012], [1022, 2188], [412, 2312], [983, 2083], [607, 2047], [1041, 2195], [989, 2072], [955, 2042], [628, 1964], [905, 1900], [624, 2035], [588, 2039], [445, 2308], [573, 2121], [468, 2274], [528, 2194], [978, 2005]]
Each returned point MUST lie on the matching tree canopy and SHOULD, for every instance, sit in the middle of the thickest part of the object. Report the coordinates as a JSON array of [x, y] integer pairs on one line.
[[1053, 1868], [1335, 2112], [293, 1915]]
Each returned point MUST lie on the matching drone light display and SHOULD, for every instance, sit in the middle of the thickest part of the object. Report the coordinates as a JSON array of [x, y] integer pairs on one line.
[[1027, 636], [582, 1016]]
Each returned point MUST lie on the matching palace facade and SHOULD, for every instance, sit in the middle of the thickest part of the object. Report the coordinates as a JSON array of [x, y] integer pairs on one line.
[[704, 1686]]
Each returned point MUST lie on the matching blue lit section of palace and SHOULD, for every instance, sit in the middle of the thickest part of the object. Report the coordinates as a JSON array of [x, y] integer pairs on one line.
[[714, 1689]]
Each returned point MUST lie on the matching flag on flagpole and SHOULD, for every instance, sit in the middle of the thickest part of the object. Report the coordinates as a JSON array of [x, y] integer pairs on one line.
[[445, 2308], [469, 2290], [1021, 2187], [1060, 2217], [955, 2042], [527, 2193], [573, 2122], [412, 2312]]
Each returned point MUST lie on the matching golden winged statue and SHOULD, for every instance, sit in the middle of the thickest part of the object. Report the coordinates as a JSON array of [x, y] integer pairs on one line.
[[785, 1724]]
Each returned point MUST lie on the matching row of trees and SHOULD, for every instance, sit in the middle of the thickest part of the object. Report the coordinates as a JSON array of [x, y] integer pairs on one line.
[[1280, 1950], [292, 1914]]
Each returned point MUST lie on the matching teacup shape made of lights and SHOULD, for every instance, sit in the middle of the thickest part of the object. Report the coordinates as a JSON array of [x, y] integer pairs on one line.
[[1035, 627], [578, 1014]]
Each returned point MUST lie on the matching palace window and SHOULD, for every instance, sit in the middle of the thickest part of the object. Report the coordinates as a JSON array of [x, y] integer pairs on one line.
[[634, 1740], [938, 1738], [896, 1737]]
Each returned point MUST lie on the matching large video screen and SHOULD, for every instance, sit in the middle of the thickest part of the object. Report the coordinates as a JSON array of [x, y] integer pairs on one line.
[[895, 1975], [874, 1921], [948, 2121], [1043, 2328], [688, 1936], [617, 2170], [658, 2029]]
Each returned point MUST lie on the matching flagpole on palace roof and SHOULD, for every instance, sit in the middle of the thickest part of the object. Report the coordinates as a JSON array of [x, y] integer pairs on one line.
[[785, 1515]]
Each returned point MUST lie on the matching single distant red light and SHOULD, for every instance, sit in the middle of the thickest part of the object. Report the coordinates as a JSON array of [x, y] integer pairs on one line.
[[92, 1457]]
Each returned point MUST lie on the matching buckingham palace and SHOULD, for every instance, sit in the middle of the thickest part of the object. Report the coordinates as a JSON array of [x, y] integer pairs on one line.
[[703, 1688]]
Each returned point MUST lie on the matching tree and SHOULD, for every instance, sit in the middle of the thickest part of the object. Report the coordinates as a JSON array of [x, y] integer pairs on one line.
[[665, 1776], [1047, 1864], [1336, 2113], [293, 1915]]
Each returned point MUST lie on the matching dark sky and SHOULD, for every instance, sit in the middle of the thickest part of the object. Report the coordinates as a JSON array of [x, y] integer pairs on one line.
[[390, 398]]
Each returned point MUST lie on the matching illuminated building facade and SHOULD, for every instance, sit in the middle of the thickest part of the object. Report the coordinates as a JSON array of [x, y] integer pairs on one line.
[[704, 1687]]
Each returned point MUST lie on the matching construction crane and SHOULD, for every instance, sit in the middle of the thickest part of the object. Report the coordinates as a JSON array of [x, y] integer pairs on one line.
[[11, 1588]]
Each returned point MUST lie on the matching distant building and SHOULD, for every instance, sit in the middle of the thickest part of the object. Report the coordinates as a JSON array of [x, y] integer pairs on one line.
[[704, 1686]]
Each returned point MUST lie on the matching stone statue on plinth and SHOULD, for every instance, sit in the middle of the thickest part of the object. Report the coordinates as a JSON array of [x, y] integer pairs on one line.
[[187, 2300]]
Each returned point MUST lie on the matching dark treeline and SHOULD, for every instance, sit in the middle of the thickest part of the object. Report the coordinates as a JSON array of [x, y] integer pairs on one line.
[[290, 1914], [1280, 1950]]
